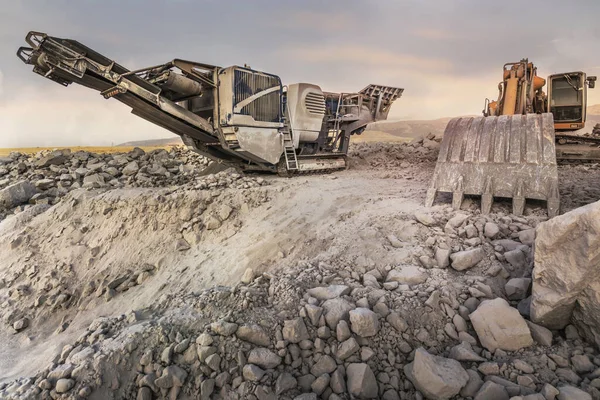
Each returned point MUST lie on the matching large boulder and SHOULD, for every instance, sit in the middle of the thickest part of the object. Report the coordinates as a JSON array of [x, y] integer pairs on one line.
[[499, 326], [16, 194], [566, 283], [436, 377]]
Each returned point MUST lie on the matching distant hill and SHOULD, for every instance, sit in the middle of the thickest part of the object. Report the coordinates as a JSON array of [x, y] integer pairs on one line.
[[387, 131], [172, 141], [594, 109], [411, 128]]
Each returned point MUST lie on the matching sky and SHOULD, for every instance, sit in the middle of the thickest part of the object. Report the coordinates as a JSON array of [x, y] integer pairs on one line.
[[446, 54]]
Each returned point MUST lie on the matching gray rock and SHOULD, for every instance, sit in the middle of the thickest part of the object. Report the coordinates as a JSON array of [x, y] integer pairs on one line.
[[204, 339], [442, 257], [248, 276], [328, 292], [464, 352], [436, 377], [582, 363], [342, 331], [224, 328], [16, 194], [254, 334], [565, 272], [517, 288], [491, 230], [408, 275], [523, 366], [325, 365], [264, 358], [93, 181], [394, 241], [206, 388], [492, 391], [314, 313], [507, 244], [64, 385], [499, 326], [489, 368], [361, 381], [307, 396], [424, 218], [205, 351], [549, 391], [459, 323], [571, 333], [347, 348], [20, 324], [131, 169], [516, 258], [213, 361], [456, 221], [337, 383], [294, 331], [54, 158], [466, 259], [524, 307], [397, 322], [144, 393], [44, 184], [61, 371], [364, 322], [572, 393], [568, 375], [320, 384], [473, 385], [336, 310], [390, 394], [182, 346], [527, 236], [285, 382], [252, 372]]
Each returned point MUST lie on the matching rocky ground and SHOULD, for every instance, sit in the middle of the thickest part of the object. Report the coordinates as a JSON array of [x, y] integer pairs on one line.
[[139, 277]]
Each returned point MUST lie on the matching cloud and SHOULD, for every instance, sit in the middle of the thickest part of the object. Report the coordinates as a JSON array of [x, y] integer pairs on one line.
[[373, 57], [448, 57], [59, 116], [307, 20], [435, 34]]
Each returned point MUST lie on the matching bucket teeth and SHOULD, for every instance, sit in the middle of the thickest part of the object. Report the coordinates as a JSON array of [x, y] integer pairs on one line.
[[487, 198], [553, 201], [458, 194], [431, 192], [518, 200], [510, 156]]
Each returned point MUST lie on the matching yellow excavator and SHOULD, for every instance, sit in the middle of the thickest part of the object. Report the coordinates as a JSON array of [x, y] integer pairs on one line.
[[511, 150]]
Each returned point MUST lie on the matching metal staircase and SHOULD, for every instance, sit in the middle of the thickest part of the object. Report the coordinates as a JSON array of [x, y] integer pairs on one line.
[[291, 160]]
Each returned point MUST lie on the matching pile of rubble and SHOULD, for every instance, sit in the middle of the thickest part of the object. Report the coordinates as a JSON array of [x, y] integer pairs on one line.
[[445, 325], [419, 150], [48, 176], [431, 303]]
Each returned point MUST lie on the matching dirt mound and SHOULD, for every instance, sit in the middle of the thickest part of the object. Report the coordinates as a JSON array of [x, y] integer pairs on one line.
[[233, 286]]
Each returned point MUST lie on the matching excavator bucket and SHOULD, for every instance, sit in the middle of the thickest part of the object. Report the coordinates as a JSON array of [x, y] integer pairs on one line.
[[510, 156]]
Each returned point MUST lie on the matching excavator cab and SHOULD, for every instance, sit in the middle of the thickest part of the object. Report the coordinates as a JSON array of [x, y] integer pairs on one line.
[[567, 99]]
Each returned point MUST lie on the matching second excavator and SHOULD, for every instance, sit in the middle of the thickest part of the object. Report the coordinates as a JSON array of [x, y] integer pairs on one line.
[[511, 151]]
